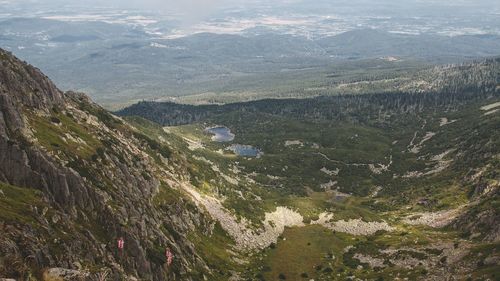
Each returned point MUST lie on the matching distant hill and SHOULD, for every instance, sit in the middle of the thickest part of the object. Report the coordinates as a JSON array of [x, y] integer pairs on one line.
[[374, 43], [443, 85]]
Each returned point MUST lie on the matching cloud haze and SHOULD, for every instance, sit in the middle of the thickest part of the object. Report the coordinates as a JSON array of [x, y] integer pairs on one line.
[[196, 10], [192, 10]]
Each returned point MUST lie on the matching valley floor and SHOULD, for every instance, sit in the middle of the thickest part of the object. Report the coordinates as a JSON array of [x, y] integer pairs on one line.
[[340, 201]]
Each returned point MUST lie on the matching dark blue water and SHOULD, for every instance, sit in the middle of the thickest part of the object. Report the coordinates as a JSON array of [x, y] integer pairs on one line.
[[245, 150], [221, 134]]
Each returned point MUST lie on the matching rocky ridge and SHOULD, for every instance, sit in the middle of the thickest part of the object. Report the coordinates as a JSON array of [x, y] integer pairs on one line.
[[93, 182]]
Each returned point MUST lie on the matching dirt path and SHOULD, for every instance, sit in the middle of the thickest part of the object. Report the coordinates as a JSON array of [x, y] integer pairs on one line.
[[490, 106], [339, 162], [433, 219]]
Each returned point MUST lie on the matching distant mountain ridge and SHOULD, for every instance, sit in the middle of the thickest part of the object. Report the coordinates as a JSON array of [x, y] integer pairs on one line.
[[372, 43], [116, 63]]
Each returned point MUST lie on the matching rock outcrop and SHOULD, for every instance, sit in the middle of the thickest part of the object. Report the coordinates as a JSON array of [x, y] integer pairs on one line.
[[353, 226]]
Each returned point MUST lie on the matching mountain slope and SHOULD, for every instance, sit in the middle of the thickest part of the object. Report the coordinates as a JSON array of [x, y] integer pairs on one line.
[[74, 179]]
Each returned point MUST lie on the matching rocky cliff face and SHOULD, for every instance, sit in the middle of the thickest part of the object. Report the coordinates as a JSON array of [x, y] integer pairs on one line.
[[74, 179]]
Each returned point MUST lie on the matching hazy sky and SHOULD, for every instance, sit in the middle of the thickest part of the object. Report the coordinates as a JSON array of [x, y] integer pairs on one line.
[[194, 10], [208, 5]]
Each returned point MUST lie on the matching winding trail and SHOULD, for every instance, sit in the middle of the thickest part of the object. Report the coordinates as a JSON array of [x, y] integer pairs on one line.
[[340, 162]]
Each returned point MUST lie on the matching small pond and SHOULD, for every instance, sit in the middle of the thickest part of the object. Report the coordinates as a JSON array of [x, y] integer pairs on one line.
[[223, 134], [245, 150], [220, 134]]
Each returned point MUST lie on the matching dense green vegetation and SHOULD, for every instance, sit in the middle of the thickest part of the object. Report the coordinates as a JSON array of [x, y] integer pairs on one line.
[[378, 157], [17, 204], [443, 88]]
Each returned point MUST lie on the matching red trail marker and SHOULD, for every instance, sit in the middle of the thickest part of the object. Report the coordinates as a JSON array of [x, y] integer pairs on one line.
[[121, 243], [169, 256]]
